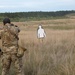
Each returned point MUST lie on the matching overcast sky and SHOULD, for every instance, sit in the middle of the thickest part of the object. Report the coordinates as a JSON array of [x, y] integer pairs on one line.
[[36, 5]]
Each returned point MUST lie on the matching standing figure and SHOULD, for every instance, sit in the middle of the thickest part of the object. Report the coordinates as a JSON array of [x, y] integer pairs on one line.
[[41, 33], [9, 37]]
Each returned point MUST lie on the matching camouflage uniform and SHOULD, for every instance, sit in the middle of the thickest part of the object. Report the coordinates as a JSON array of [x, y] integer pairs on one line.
[[9, 37]]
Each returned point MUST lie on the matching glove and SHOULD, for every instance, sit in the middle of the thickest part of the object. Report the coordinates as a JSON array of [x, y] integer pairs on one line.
[[21, 51]]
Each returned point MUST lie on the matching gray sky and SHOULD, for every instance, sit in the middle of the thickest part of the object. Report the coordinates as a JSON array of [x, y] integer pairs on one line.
[[36, 5]]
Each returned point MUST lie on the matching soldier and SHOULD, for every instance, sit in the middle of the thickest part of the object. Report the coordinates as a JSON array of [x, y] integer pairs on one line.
[[9, 37]]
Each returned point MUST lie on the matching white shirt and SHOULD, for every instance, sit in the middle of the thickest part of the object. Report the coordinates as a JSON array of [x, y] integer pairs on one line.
[[41, 33]]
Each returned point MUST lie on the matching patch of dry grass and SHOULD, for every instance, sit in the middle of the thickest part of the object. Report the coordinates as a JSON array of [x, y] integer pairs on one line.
[[55, 56]]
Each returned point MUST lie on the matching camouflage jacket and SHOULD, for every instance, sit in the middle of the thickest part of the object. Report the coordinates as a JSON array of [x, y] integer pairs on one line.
[[9, 35]]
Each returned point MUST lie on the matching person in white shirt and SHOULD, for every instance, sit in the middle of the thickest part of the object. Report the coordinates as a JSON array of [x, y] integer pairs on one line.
[[41, 33]]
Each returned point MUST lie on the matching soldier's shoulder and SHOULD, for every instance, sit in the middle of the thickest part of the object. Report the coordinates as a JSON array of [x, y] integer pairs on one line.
[[14, 25], [15, 28]]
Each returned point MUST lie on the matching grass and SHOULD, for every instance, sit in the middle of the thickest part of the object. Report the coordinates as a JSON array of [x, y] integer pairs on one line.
[[61, 27], [55, 55]]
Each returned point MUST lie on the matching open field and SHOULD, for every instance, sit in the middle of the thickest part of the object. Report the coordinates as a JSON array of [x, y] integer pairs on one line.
[[56, 54]]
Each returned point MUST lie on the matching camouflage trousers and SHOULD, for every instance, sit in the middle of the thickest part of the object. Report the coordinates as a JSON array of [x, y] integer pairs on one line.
[[7, 59]]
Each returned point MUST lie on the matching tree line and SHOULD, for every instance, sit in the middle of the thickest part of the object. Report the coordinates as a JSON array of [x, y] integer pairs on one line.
[[25, 16]]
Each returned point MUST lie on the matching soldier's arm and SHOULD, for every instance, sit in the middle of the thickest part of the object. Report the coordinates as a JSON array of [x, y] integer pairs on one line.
[[14, 30], [17, 28]]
